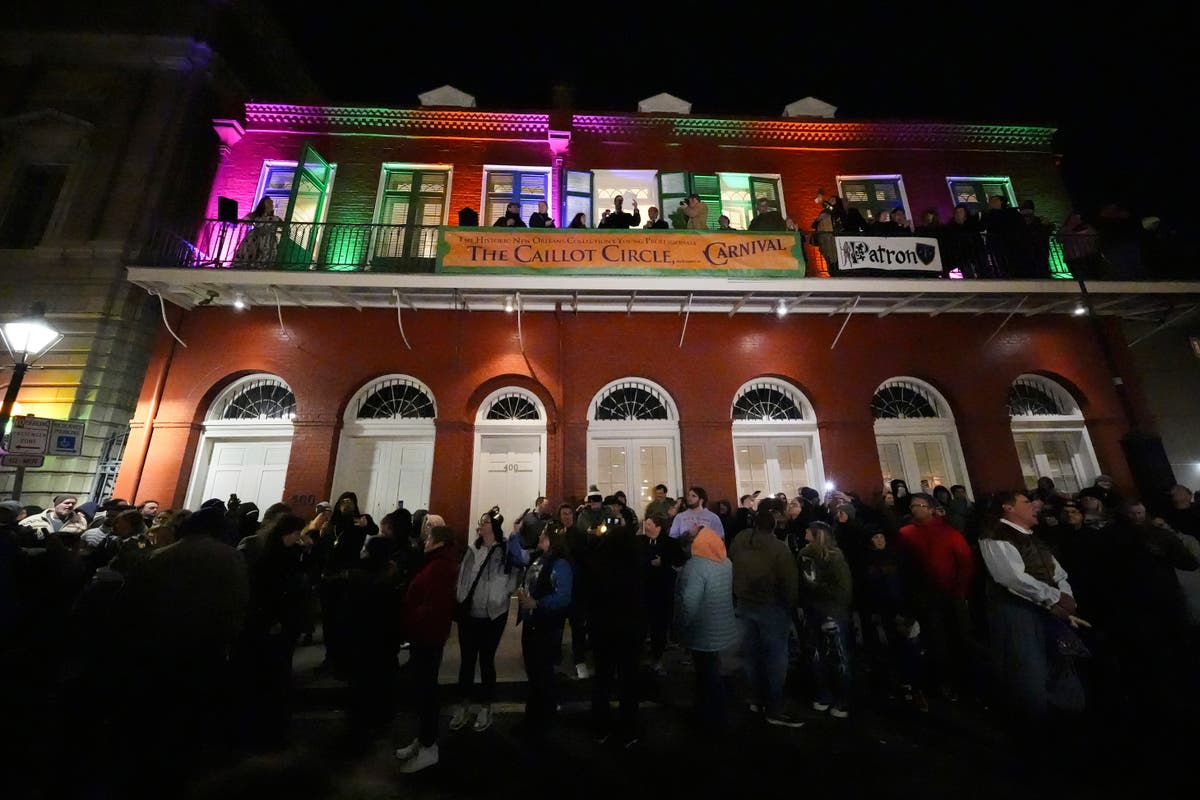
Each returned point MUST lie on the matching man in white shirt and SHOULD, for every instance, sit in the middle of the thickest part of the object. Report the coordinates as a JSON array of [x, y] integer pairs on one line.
[[687, 523], [1030, 606]]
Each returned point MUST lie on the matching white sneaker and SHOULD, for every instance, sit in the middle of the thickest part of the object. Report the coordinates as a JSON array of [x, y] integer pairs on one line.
[[816, 707], [581, 671], [408, 751], [483, 720], [838, 713], [425, 757], [460, 718]]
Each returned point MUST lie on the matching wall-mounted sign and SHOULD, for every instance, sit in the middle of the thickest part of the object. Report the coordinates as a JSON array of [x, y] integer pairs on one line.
[[29, 435], [633, 252], [66, 438], [21, 460]]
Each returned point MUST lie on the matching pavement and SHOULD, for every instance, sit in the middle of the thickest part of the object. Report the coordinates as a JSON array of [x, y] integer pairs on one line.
[[955, 750]]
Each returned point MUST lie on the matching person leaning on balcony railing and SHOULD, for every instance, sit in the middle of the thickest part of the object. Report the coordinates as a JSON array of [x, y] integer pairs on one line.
[[262, 240], [1081, 246], [655, 222], [617, 218]]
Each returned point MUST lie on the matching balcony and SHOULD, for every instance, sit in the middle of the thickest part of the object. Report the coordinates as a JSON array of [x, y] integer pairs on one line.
[[363, 266]]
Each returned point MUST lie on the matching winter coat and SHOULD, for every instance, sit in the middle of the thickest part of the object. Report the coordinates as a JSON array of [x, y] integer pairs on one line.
[[827, 587], [494, 591], [704, 597], [429, 601]]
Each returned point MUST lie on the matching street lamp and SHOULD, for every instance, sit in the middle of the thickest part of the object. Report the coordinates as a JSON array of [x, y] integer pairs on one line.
[[27, 338]]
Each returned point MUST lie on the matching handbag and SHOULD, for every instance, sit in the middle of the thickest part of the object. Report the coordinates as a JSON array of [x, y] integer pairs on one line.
[[463, 611]]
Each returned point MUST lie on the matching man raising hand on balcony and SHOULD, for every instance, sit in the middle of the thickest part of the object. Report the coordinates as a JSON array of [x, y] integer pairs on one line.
[[622, 219]]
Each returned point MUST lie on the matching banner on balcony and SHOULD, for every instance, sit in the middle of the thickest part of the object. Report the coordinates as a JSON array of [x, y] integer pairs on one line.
[[633, 252], [896, 253]]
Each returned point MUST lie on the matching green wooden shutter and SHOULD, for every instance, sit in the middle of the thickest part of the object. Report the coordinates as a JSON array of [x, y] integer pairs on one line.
[[764, 188], [306, 208], [709, 189]]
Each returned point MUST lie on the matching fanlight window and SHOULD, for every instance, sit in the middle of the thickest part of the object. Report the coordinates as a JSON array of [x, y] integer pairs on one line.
[[268, 398], [512, 406], [631, 401], [1028, 398], [397, 398], [765, 402], [900, 400]]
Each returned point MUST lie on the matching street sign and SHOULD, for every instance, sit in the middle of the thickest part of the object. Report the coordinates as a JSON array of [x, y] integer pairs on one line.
[[21, 460], [66, 438], [29, 435]]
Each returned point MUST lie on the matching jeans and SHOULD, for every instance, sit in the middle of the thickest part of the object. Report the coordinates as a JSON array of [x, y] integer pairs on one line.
[[764, 633], [830, 658], [541, 649], [478, 639]]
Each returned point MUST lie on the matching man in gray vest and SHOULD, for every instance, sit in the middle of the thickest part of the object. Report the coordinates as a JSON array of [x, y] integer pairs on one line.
[[1031, 610]]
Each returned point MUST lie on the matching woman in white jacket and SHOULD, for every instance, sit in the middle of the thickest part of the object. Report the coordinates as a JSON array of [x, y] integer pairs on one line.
[[486, 582]]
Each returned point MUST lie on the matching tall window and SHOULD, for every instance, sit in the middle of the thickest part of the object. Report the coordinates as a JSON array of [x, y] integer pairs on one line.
[[1050, 434], [916, 437], [775, 443], [871, 194], [976, 191], [633, 440], [276, 184], [524, 187], [412, 203], [29, 208]]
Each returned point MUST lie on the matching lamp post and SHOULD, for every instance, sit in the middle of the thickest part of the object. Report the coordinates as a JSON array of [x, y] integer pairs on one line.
[[27, 338]]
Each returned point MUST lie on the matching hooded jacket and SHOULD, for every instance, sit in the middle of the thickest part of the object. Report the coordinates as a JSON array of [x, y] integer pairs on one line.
[[429, 601], [704, 596], [494, 591]]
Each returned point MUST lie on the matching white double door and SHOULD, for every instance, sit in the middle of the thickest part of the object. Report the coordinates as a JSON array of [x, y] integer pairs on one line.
[[634, 466], [253, 469], [771, 464], [922, 461], [382, 470], [510, 472]]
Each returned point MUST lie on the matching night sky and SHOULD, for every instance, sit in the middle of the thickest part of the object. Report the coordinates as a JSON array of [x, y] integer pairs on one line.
[[1110, 84]]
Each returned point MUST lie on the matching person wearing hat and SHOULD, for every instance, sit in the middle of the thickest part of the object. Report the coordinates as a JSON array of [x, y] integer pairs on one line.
[[59, 518]]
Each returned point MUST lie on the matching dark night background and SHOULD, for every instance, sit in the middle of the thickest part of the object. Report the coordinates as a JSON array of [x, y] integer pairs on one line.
[[1110, 83]]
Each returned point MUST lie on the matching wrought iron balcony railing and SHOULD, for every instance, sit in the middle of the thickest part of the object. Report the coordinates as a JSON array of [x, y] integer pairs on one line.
[[347, 247]]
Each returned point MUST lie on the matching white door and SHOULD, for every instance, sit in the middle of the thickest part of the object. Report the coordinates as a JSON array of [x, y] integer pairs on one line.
[[507, 474], [634, 466], [254, 470], [771, 465], [917, 458], [1053, 455], [381, 471]]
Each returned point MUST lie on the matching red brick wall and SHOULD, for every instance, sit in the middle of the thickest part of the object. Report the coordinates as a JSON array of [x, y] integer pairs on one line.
[[327, 355]]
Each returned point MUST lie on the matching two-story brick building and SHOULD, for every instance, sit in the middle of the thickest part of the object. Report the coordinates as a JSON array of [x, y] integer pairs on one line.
[[368, 338]]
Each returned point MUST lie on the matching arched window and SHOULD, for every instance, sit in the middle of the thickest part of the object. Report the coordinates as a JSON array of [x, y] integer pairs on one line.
[[633, 440], [916, 436], [511, 405], [900, 399], [259, 397], [631, 400], [396, 397], [1050, 434], [767, 401], [775, 443]]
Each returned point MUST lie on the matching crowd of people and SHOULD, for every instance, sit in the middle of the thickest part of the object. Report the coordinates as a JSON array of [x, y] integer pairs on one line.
[[1039, 605], [996, 240]]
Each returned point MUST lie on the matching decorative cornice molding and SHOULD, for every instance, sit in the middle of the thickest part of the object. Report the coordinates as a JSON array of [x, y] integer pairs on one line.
[[822, 134], [277, 116], [769, 132]]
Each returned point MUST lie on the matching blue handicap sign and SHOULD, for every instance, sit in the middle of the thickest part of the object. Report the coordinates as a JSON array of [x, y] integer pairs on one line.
[[65, 443]]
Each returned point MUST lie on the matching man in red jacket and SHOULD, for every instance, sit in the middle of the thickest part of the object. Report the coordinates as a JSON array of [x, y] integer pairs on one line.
[[427, 613], [943, 569]]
